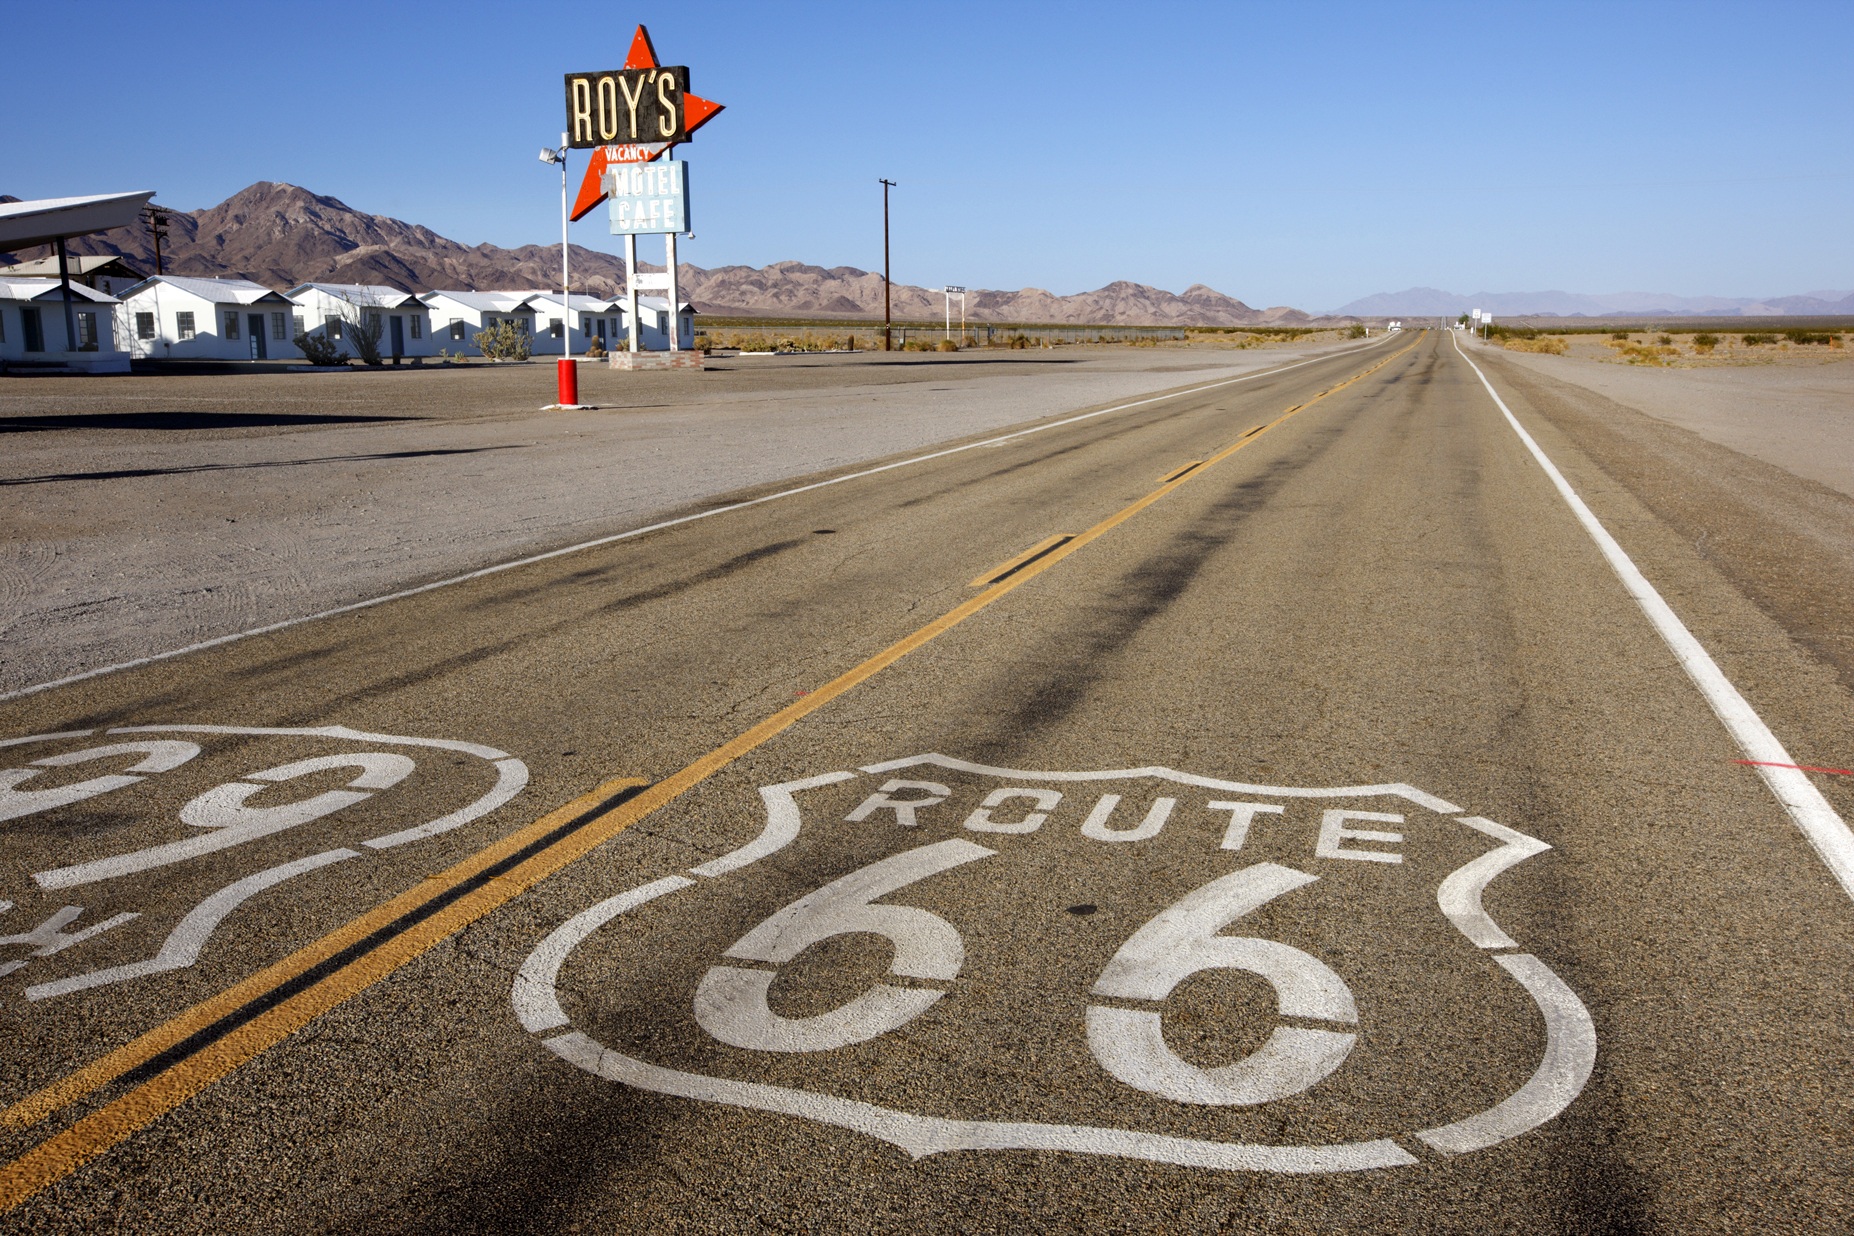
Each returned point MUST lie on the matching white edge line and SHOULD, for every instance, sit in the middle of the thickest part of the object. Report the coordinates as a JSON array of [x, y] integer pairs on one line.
[[531, 559], [1819, 822]]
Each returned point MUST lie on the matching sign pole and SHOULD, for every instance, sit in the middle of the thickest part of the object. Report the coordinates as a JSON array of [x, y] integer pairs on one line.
[[566, 284], [675, 325], [630, 282]]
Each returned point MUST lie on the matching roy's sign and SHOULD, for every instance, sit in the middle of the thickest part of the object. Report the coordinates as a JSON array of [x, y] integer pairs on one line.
[[630, 115], [627, 105]]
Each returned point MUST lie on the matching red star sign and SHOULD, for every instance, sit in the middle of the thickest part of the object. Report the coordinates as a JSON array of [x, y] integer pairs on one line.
[[696, 111]]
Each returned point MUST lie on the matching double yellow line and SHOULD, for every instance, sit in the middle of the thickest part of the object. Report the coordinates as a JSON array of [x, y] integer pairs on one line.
[[178, 1059]]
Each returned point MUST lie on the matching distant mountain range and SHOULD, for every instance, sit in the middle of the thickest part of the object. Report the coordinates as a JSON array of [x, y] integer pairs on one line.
[[281, 235], [1433, 302]]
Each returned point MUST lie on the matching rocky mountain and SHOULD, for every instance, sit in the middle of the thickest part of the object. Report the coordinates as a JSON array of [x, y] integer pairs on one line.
[[281, 235], [1433, 302]]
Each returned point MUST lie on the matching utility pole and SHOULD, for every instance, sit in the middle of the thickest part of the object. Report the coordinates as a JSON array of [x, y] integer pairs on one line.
[[887, 317], [156, 218]]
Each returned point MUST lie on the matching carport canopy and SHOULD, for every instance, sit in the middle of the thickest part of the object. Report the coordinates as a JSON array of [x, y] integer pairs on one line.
[[52, 219]]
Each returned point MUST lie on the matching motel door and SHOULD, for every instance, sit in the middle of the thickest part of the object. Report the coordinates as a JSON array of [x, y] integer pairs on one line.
[[34, 332], [399, 336], [254, 326]]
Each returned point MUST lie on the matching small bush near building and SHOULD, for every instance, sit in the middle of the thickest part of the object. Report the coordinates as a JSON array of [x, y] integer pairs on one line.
[[947, 345], [504, 341], [321, 350]]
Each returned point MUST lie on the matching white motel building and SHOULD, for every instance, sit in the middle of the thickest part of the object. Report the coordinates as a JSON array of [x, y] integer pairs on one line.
[[329, 309], [32, 327], [176, 317]]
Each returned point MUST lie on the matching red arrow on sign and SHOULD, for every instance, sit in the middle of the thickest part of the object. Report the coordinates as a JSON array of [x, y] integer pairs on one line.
[[696, 112]]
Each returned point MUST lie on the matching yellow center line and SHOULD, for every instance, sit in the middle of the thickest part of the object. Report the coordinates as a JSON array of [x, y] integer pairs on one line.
[[66, 1151], [1016, 563]]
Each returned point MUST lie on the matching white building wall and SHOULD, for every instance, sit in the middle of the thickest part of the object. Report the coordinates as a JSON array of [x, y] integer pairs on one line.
[[168, 323], [51, 325], [455, 323], [591, 319], [315, 307]]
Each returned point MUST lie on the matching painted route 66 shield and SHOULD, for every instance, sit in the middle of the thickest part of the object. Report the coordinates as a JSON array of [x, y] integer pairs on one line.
[[1139, 962]]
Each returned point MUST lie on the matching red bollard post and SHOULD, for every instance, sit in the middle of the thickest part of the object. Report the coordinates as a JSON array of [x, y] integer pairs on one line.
[[569, 383]]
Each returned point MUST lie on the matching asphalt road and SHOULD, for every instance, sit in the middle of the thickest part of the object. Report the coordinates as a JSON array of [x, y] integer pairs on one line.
[[1321, 837]]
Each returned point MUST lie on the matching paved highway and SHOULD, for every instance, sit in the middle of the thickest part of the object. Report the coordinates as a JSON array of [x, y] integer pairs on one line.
[[1313, 801]]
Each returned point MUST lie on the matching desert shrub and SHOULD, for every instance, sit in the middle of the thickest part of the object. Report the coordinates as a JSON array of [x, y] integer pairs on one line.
[[504, 341], [365, 336], [703, 343], [1754, 340], [1549, 345], [1703, 340], [1357, 331], [1020, 341], [1664, 340], [947, 345], [321, 350], [1808, 336], [1619, 334]]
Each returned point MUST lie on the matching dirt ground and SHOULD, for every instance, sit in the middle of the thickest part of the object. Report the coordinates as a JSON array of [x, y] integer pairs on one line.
[[1791, 406]]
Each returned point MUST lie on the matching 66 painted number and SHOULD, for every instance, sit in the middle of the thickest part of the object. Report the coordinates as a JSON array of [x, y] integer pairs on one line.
[[731, 1001]]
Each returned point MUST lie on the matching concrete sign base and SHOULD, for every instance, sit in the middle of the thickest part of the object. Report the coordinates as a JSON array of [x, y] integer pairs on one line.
[[655, 360]]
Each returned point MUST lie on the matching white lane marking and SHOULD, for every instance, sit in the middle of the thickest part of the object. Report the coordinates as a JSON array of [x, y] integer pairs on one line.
[[537, 1003], [183, 944], [1570, 1055], [595, 543], [1459, 896], [921, 1136], [782, 825], [1410, 792], [1819, 822]]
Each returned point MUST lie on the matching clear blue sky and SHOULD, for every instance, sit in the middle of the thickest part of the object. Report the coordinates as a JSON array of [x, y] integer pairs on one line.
[[1284, 153]]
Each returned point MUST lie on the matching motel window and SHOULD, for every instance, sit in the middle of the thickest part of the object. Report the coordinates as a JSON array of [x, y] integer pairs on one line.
[[86, 331], [611, 324], [183, 325], [418, 327], [331, 326], [457, 328], [554, 327], [278, 327], [2, 328], [231, 323], [373, 323], [144, 326], [296, 319]]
